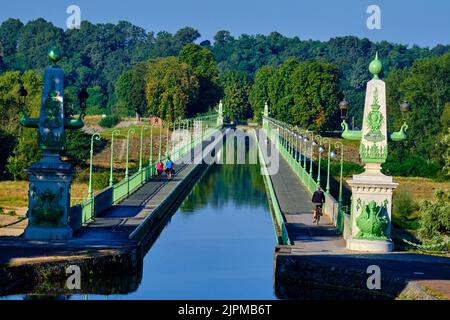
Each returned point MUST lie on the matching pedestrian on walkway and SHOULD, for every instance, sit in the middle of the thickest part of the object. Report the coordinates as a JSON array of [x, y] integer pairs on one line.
[[159, 169], [169, 168]]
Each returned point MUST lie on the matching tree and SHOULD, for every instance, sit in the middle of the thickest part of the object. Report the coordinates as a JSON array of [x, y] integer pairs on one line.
[[425, 87], [259, 93], [9, 32], [280, 90], [205, 69], [33, 42], [445, 142], [171, 88], [316, 95], [25, 153], [130, 91], [9, 99], [236, 86]]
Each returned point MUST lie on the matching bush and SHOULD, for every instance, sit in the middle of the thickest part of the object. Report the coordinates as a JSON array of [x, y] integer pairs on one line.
[[78, 146], [348, 168], [403, 210], [411, 166], [109, 121], [7, 143], [404, 204], [100, 180], [435, 219]]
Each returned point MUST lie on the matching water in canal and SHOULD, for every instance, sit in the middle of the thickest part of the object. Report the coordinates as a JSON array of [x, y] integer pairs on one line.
[[219, 244]]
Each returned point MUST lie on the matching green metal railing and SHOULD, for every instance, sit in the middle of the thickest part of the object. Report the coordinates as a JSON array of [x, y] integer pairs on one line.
[[296, 146], [202, 127], [279, 220]]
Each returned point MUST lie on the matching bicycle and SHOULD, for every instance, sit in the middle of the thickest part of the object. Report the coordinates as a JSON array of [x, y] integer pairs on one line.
[[317, 214]]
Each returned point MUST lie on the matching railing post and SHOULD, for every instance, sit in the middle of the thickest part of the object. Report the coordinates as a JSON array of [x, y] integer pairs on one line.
[[150, 164], [167, 140], [144, 127], [328, 167], [111, 162], [97, 137], [160, 141]]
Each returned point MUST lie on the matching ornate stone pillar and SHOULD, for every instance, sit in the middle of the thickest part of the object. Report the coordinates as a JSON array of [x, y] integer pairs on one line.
[[50, 178], [371, 208]]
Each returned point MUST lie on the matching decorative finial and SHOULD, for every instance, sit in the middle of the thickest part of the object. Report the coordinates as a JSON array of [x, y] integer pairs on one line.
[[54, 55], [375, 67]]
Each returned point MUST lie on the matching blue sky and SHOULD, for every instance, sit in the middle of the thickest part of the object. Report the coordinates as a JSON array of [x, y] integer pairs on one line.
[[422, 22]]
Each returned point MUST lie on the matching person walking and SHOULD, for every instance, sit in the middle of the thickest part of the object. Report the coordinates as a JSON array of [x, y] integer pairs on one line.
[[159, 169], [169, 168]]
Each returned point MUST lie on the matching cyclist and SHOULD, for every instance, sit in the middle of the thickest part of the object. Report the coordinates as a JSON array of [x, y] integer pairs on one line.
[[318, 199]]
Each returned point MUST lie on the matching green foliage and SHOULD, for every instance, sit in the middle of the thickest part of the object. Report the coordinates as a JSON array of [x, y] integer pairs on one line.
[[425, 86], [445, 144], [259, 93], [100, 180], [109, 121], [236, 87], [306, 93], [316, 95], [9, 100], [404, 204], [204, 67], [7, 141], [96, 101], [404, 211], [171, 89], [348, 168], [130, 91], [78, 146], [25, 152], [410, 165], [435, 219]]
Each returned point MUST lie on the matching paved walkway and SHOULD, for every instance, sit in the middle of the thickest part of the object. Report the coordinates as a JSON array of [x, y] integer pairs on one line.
[[295, 203]]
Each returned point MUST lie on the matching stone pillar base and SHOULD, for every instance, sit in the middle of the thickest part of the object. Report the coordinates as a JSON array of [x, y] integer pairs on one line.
[[370, 245], [50, 233]]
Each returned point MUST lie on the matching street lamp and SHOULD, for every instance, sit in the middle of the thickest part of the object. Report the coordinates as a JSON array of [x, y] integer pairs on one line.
[[344, 106], [23, 93], [83, 95], [405, 108], [333, 155]]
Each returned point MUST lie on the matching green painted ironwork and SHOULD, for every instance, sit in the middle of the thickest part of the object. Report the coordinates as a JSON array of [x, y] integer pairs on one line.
[[111, 162], [144, 127], [132, 131], [150, 160], [97, 137]]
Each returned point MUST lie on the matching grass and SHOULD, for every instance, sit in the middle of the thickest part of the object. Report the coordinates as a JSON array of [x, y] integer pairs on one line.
[[14, 194]]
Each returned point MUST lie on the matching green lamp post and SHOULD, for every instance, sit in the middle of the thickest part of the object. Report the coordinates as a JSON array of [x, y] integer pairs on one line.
[[144, 127], [132, 132], [115, 132], [95, 136]]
